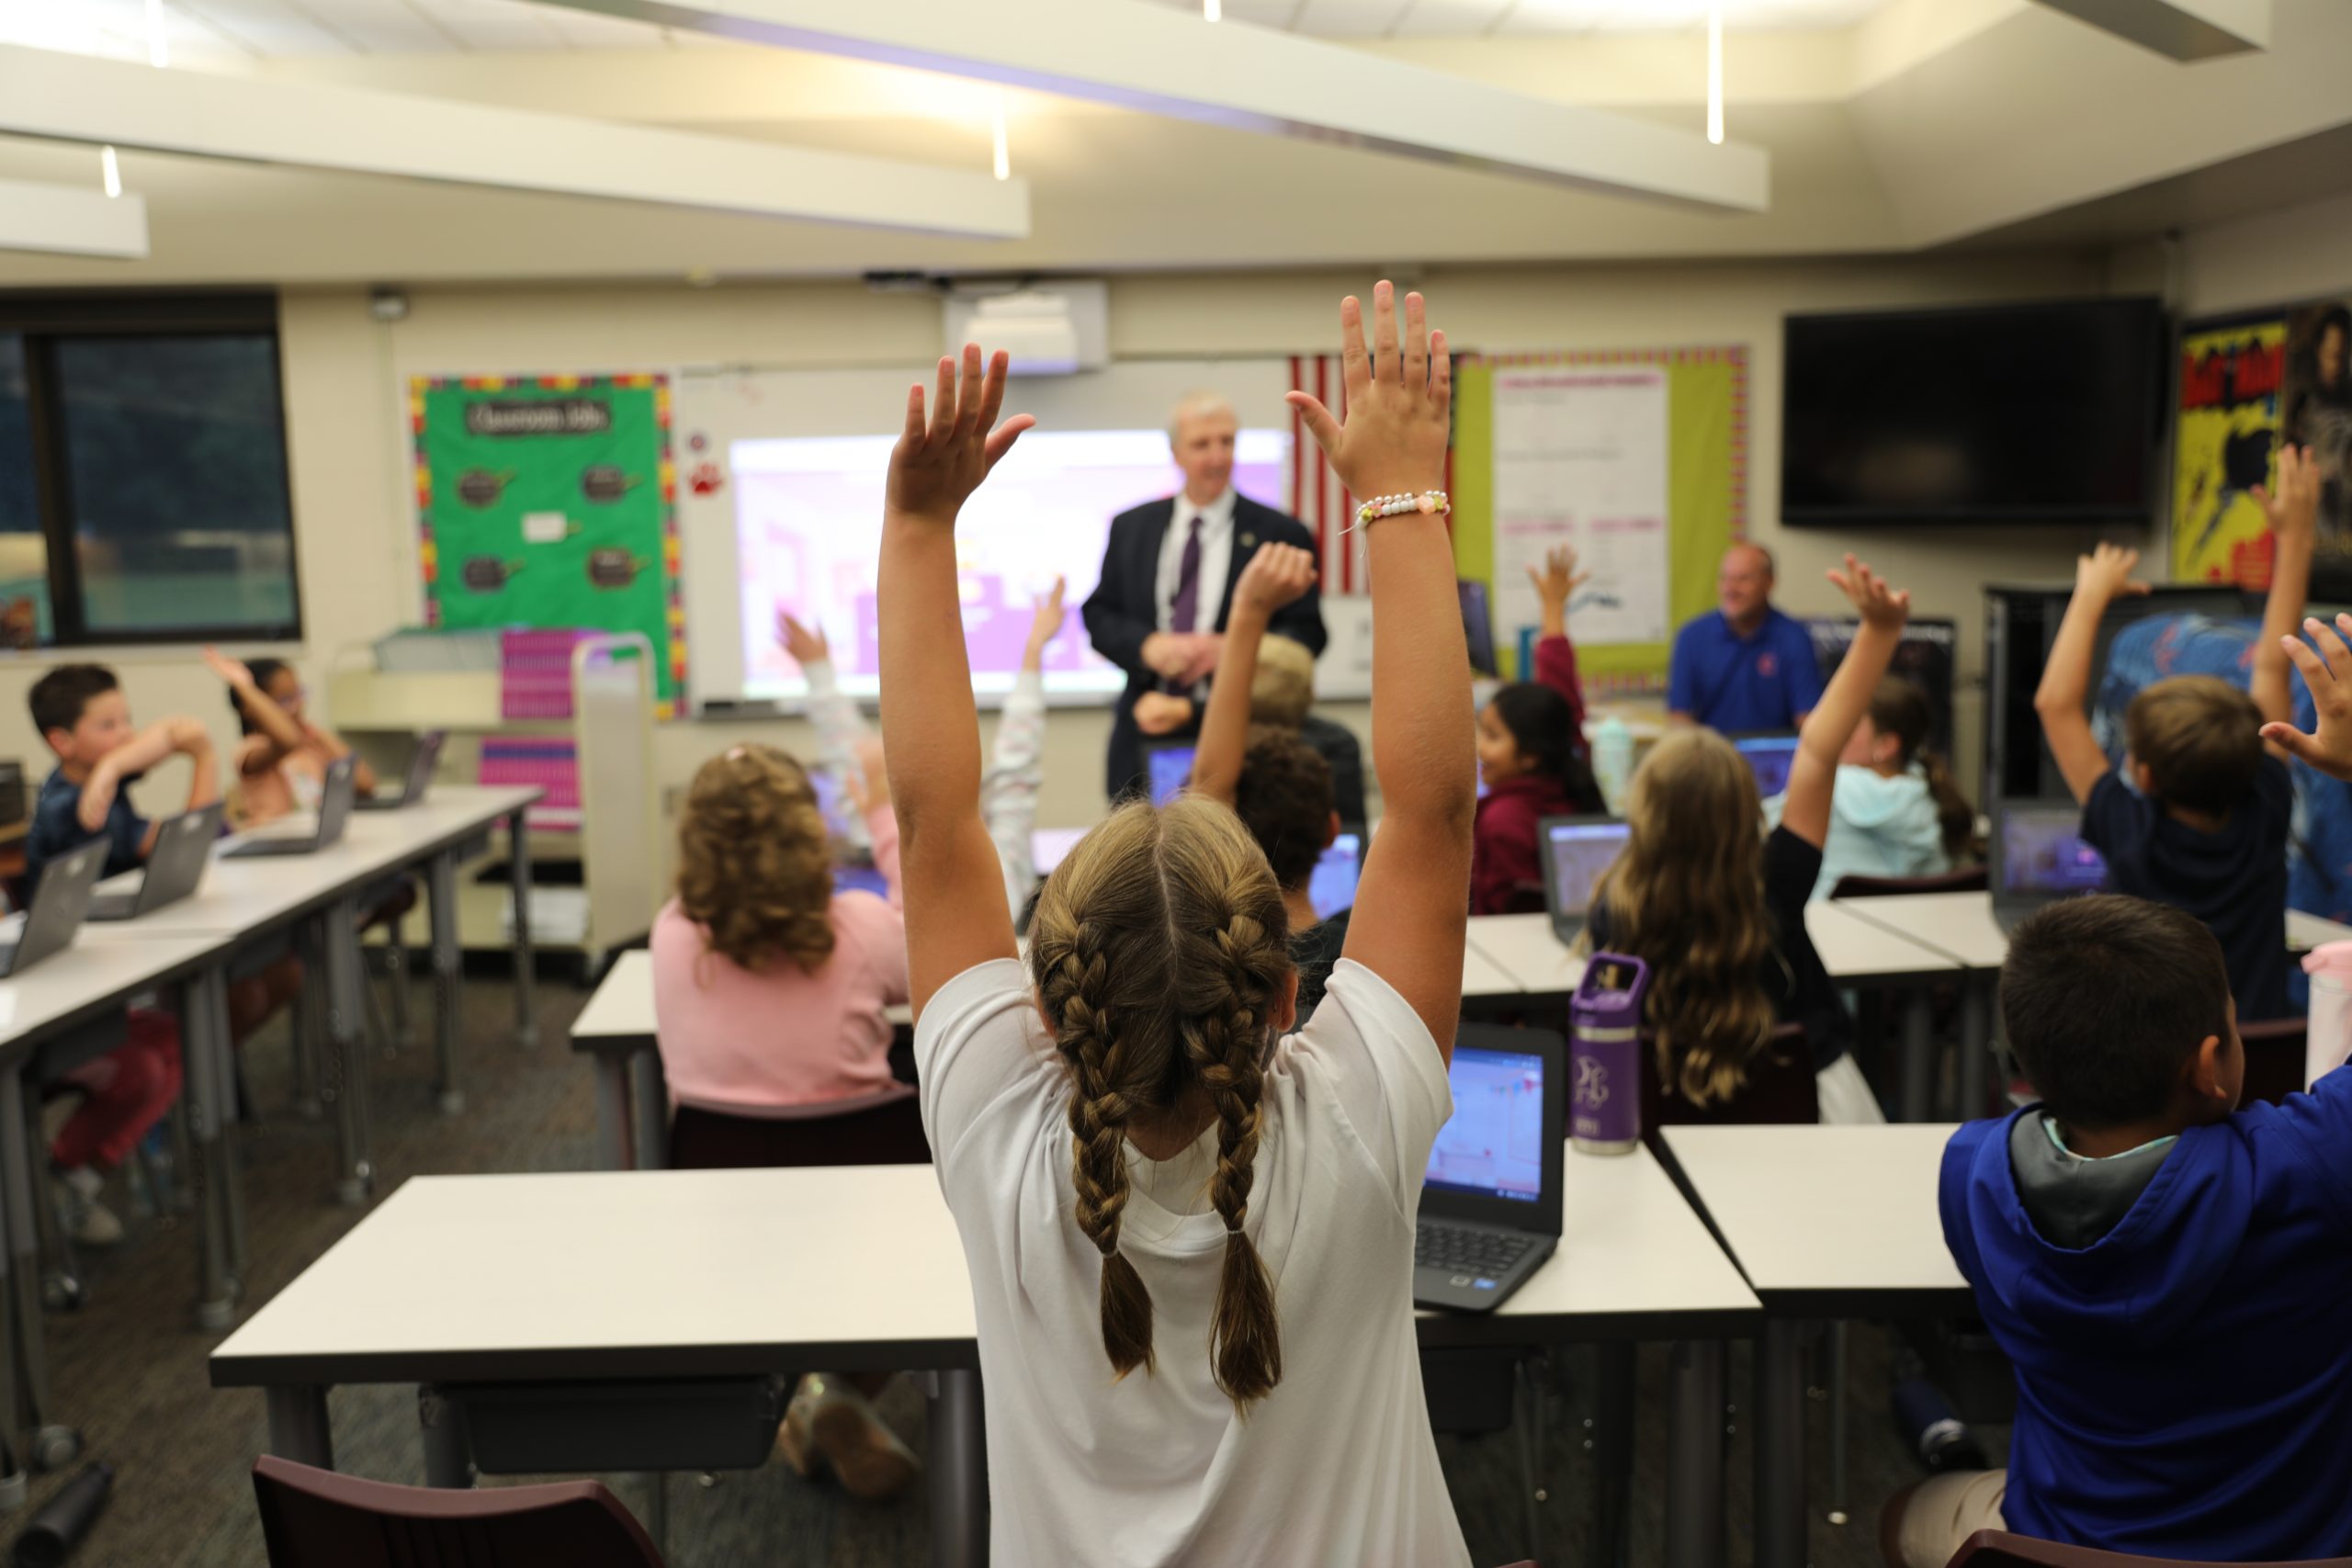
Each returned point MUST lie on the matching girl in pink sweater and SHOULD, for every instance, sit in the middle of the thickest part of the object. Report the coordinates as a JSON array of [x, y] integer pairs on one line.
[[770, 987]]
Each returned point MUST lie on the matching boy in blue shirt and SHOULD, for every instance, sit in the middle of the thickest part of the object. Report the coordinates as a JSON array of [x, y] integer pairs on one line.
[[2166, 1273], [1744, 666]]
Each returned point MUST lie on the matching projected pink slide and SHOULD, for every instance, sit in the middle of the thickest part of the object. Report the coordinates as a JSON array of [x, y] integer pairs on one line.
[[809, 526]]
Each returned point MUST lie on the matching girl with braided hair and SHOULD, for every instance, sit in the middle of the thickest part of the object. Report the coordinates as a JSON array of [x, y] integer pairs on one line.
[[1190, 1229]]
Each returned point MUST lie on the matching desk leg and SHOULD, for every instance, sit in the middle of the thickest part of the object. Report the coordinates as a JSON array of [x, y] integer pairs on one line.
[[1695, 1455], [204, 1026], [648, 1109], [958, 1472], [346, 1055], [527, 1022], [297, 1424], [611, 1111], [1975, 1045], [449, 1457], [1612, 1456], [205, 1088], [21, 1404], [1918, 1055], [441, 897], [1781, 1523]]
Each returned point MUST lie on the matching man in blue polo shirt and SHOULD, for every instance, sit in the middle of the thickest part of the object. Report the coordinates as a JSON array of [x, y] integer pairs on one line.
[[1744, 665]]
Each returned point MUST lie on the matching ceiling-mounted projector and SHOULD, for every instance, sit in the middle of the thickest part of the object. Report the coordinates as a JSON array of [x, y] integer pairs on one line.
[[1047, 330]]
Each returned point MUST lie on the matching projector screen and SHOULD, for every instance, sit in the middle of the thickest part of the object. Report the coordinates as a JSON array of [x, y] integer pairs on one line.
[[780, 476]]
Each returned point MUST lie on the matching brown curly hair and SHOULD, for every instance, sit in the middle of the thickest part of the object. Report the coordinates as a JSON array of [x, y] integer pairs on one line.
[[1161, 954], [754, 863]]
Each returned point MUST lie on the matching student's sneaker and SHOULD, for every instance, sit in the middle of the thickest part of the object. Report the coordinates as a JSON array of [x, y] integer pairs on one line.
[[830, 1425], [86, 1221]]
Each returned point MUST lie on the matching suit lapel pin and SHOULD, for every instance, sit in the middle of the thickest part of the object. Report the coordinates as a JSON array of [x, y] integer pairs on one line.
[[1249, 541]]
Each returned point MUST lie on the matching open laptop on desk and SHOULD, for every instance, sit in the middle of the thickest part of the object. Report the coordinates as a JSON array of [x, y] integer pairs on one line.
[[173, 871], [419, 776], [1577, 850], [1768, 757], [59, 903], [1491, 1197], [305, 834], [2038, 858], [1168, 767], [1331, 887]]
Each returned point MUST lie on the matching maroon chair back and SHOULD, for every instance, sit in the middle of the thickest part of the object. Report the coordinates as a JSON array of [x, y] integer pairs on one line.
[[2274, 1057], [315, 1518], [1998, 1548], [1967, 879], [1780, 1091], [889, 1133], [1524, 898]]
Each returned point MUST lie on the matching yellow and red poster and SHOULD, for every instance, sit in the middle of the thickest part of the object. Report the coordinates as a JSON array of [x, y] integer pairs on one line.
[[2230, 378]]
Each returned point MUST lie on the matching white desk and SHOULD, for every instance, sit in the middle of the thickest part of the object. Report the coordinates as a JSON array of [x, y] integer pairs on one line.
[[1528, 951], [1825, 1222], [642, 1275], [2307, 931]]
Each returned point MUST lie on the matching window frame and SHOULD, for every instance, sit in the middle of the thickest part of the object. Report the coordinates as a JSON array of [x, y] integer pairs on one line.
[[40, 319]]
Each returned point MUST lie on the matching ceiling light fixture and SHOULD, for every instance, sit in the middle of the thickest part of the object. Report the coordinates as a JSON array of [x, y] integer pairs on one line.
[[1715, 74], [159, 43], [1213, 10], [112, 170], [1003, 143]]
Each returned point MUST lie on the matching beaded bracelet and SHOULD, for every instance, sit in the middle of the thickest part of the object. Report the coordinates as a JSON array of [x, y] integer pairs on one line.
[[1430, 502]]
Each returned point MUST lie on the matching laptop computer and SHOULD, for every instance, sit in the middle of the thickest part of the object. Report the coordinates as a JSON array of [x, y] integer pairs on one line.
[[1477, 626], [1768, 757], [1049, 845], [175, 869], [305, 834], [2039, 857], [1577, 850], [1331, 886], [59, 903], [1490, 1198], [1168, 767], [419, 776]]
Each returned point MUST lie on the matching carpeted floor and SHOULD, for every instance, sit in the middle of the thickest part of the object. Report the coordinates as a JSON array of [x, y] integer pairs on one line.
[[127, 1367]]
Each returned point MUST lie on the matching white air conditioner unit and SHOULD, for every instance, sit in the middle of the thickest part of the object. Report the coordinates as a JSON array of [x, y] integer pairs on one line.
[[1050, 329]]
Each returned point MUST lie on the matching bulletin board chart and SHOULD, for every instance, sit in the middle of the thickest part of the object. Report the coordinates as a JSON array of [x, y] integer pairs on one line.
[[551, 502], [1637, 458]]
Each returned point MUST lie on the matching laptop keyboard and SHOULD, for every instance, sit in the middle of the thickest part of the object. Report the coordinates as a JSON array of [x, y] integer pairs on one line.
[[1467, 1251]]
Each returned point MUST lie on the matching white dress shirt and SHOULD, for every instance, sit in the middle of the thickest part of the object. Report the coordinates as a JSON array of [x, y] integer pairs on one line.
[[1217, 557]]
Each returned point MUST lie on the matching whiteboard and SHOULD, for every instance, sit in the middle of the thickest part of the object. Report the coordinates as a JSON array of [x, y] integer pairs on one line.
[[717, 407]]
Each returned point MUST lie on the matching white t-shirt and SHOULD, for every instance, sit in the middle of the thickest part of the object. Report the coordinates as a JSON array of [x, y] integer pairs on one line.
[[1335, 1465]]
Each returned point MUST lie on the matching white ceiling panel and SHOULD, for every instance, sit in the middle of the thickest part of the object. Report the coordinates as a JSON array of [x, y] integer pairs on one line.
[[373, 27], [492, 26], [1349, 18], [1438, 19], [270, 26], [1450, 19], [582, 30]]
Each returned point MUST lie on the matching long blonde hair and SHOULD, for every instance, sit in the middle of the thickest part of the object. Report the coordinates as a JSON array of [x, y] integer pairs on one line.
[[1687, 897], [754, 863], [1160, 949]]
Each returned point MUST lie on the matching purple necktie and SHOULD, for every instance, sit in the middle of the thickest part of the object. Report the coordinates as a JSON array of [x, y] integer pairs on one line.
[[1184, 613]]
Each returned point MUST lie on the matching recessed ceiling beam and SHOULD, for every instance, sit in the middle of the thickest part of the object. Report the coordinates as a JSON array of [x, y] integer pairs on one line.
[[74, 97], [2181, 30], [1171, 62]]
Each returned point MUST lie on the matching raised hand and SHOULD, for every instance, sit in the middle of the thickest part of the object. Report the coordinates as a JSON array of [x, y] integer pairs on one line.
[[940, 460], [1400, 394], [2293, 507], [1557, 580], [1045, 620], [1277, 575], [2328, 673], [1877, 603], [806, 644], [2106, 571], [233, 671]]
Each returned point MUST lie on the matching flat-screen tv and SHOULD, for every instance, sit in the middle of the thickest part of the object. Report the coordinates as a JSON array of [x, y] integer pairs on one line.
[[2002, 414]]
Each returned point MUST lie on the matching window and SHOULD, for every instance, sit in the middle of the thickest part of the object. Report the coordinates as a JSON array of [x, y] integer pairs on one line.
[[143, 494]]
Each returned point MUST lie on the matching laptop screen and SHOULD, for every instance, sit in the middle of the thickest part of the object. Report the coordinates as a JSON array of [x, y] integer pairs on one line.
[[1169, 769], [1494, 1145], [1580, 852], [1049, 845], [2042, 852], [1769, 758], [1332, 885]]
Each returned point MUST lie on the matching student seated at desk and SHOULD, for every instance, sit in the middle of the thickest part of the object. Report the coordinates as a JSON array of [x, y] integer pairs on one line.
[[2203, 823], [1715, 906], [1532, 756], [1133, 1145], [1896, 811], [2167, 1273], [1281, 696], [82, 713], [282, 761], [1278, 786]]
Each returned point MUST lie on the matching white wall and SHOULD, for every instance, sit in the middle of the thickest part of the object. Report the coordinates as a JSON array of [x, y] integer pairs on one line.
[[346, 372]]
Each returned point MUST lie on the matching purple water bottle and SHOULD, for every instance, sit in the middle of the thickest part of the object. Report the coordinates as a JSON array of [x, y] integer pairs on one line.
[[1605, 1055]]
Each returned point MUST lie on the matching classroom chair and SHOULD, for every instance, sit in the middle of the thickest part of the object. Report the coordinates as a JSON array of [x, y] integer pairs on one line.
[[1780, 1091], [1965, 879], [880, 1129], [316, 1518], [1998, 1548]]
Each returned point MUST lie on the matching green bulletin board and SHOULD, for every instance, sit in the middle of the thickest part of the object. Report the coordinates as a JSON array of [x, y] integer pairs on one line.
[[551, 502], [1706, 491]]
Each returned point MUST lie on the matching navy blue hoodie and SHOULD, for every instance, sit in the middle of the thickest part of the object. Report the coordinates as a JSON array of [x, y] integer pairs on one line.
[[2185, 1382]]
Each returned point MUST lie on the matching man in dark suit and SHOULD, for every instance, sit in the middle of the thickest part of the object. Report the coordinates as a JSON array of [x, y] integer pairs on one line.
[[1167, 576]]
